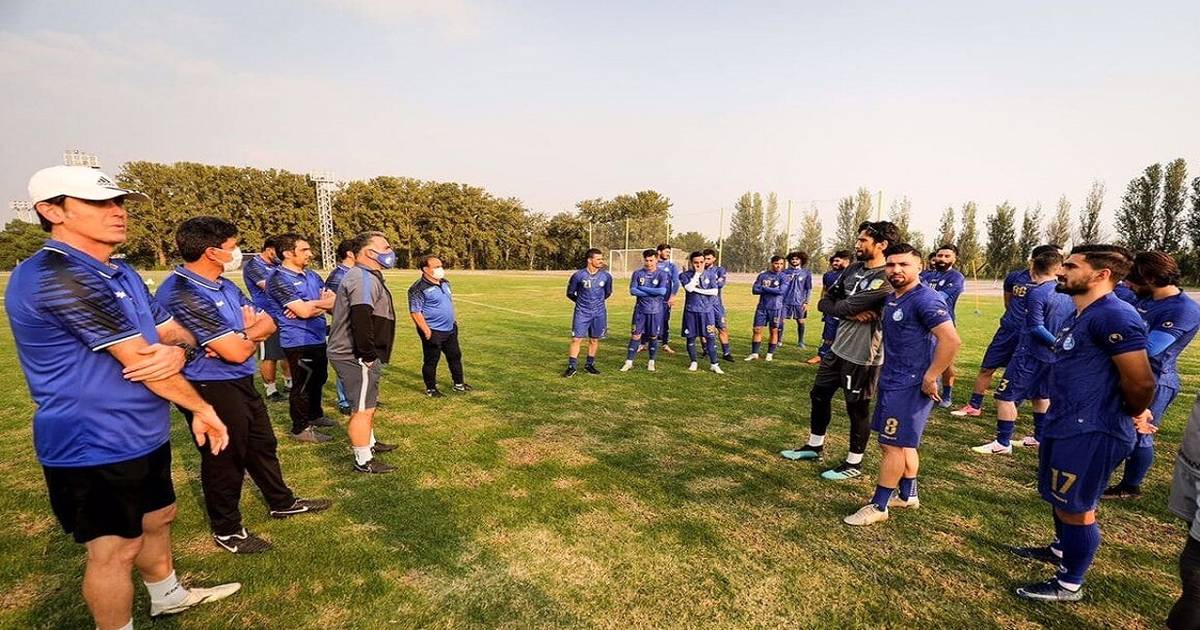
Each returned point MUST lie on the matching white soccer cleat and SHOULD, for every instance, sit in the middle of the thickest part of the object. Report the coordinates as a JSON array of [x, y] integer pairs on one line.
[[692, 367], [751, 357], [628, 366], [993, 448], [770, 357], [195, 597], [716, 367], [896, 502], [650, 365], [866, 515], [1028, 442]]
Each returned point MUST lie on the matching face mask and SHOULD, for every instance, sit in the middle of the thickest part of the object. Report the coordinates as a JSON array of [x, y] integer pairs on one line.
[[439, 273], [387, 260], [235, 262]]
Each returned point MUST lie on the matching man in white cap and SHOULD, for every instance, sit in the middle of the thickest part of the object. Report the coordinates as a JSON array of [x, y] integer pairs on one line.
[[103, 360]]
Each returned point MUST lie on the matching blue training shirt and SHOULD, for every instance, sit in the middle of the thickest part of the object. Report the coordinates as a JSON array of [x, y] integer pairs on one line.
[[1049, 309], [335, 277], [589, 291], [1177, 316], [797, 286], [828, 279], [697, 302], [435, 302], [285, 287], [65, 308], [673, 271], [1084, 384], [258, 270], [907, 338], [769, 286], [1017, 284], [950, 283], [209, 310], [651, 289], [1126, 294]]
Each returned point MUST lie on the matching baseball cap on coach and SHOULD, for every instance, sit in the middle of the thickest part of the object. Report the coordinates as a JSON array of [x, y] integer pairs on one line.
[[80, 182]]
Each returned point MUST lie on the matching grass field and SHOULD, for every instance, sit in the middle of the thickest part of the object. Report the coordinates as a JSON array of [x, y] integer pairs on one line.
[[618, 500]]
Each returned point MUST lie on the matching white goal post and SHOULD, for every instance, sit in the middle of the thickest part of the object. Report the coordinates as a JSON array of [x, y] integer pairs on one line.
[[622, 262]]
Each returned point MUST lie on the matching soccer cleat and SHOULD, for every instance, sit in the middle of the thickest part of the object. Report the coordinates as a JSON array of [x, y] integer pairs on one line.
[[627, 366], [650, 365], [276, 397], [716, 367], [590, 369], [1041, 554], [727, 357], [993, 448], [753, 356], [1121, 492], [310, 436], [692, 367], [323, 421], [667, 349], [804, 452], [866, 515], [1027, 442], [302, 506], [814, 361], [968, 411], [462, 388], [569, 373], [1050, 591], [843, 472], [770, 357], [345, 409], [911, 504], [195, 597], [381, 447], [434, 393], [802, 346], [946, 404], [242, 542], [373, 466]]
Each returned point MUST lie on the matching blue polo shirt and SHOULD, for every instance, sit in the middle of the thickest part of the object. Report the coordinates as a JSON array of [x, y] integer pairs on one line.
[[335, 277], [1177, 316], [286, 286], [434, 302], [258, 270], [65, 308], [209, 310], [908, 341], [950, 283], [1018, 284]]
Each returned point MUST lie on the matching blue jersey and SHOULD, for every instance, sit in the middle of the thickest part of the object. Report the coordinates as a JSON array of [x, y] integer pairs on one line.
[[589, 291], [209, 310], [672, 270], [254, 271], [1177, 316], [698, 302], [720, 276], [285, 287], [651, 289], [797, 286], [769, 286], [1017, 284], [1046, 308], [907, 338], [65, 308], [1126, 294], [335, 277], [950, 283], [1084, 386], [828, 279]]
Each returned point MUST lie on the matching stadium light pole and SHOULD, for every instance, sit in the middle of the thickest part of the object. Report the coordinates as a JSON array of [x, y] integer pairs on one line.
[[626, 232], [787, 233], [77, 157], [327, 185], [720, 236], [23, 210], [879, 207]]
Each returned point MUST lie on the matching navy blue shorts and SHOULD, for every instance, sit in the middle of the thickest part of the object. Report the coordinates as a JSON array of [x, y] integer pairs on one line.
[[650, 324], [1000, 351], [1073, 472], [900, 416], [795, 311], [1024, 379], [771, 318], [719, 317], [698, 324], [829, 332], [1164, 395], [591, 326]]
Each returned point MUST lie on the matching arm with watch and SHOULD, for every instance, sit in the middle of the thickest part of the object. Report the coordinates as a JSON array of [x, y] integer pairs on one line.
[[238, 346]]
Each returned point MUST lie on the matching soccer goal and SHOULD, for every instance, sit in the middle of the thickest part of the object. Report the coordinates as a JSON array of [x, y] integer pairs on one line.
[[622, 262]]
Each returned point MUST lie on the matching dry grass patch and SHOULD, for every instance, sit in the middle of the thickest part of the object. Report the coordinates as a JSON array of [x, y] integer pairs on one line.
[[554, 443]]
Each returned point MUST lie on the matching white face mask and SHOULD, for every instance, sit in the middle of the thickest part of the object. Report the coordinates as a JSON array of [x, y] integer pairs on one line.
[[439, 273], [234, 263]]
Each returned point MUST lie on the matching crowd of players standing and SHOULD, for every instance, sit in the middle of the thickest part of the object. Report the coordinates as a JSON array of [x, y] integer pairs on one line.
[[104, 358]]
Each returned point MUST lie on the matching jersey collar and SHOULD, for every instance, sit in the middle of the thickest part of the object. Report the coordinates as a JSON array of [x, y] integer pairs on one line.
[[197, 279], [106, 270]]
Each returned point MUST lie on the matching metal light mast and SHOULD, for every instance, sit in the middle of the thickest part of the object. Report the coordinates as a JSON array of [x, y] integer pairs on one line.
[[326, 187], [76, 157], [22, 209]]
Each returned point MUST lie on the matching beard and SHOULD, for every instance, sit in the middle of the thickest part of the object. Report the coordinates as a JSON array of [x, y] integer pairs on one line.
[[898, 282], [1067, 289], [941, 266]]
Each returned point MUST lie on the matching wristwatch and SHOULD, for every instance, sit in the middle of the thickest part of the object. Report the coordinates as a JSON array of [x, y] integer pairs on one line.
[[189, 352]]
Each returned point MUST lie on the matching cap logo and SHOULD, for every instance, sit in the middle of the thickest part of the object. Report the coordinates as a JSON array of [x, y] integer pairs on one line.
[[104, 181]]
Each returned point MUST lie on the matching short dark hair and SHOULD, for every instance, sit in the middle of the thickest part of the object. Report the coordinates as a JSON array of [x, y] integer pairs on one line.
[[286, 242], [423, 261], [269, 243], [194, 236], [1157, 269], [881, 231], [844, 254], [54, 201], [662, 246], [362, 239], [1047, 260], [708, 251], [950, 246], [346, 248], [902, 248], [776, 258], [1042, 249], [692, 256], [647, 253], [592, 252], [803, 256], [1116, 259]]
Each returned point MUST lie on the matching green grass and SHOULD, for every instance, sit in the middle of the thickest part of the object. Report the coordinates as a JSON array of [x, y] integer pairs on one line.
[[619, 500]]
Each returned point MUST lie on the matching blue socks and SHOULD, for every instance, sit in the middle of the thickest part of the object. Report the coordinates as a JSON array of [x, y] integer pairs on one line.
[[591, 360], [947, 392], [908, 488], [1004, 431], [572, 362], [712, 349], [754, 346], [653, 348], [977, 400], [724, 348], [1137, 466], [1038, 420], [1079, 545], [1056, 544], [799, 335], [771, 348], [691, 347], [882, 496], [633, 348]]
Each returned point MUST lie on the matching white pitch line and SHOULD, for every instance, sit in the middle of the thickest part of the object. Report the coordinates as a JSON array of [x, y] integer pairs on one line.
[[501, 308]]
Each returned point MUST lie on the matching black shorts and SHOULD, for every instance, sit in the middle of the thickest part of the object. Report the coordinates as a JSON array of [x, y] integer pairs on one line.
[[110, 500], [856, 381]]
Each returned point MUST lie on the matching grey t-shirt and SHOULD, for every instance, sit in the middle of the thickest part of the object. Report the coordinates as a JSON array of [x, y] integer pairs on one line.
[[1185, 488], [361, 287], [866, 289]]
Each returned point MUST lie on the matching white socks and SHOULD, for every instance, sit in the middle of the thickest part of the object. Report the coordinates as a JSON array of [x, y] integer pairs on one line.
[[371, 443], [128, 626], [362, 454], [287, 382], [854, 458], [167, 592], [271, 388], [816, 440]]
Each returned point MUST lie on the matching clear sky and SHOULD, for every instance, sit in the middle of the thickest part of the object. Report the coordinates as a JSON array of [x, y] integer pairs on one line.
[[554, 102]]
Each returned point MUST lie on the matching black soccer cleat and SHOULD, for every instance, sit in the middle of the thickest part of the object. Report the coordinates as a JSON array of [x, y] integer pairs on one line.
[[1041, 554], [373, 466], [728, 357], [302, 506], [242, 542], [1121, 492], [463, 387], [591, 369], [434, 393], [381, 447], [323, 421], [1050, 591], [276, 397], [569, 372]]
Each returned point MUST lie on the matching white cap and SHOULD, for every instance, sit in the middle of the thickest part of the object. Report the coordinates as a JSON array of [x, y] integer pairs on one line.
[[80, 182]]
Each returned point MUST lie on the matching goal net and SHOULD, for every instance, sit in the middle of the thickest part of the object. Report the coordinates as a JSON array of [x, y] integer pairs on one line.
[[622, 262]]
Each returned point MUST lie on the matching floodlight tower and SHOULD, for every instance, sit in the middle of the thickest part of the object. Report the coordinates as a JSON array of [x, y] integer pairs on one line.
[[76, 157], [327, 185], [22, 209]]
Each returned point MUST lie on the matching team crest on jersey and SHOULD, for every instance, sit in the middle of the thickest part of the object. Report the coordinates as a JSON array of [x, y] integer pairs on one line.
[[120, 295], [601, 284], [1168, 324], [1020, 291], [1069, 342], [1115, 338], [898, 315], [875, 284], [941, 282]]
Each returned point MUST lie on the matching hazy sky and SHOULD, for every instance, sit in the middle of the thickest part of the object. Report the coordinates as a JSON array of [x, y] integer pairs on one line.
[[554, 102]]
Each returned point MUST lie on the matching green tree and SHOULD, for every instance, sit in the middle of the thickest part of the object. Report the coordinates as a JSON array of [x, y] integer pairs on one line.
[[644, 214], [1058, 231], [901, 214], [811, 239], [946, 231], [1194, 215], [19, 241], [968, 239], [851, 213], [1031, 232], [693, 241], [745, 248], [774, 238], [1172, 216], [1002, 254], [1089, 222], [1138, 222]]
